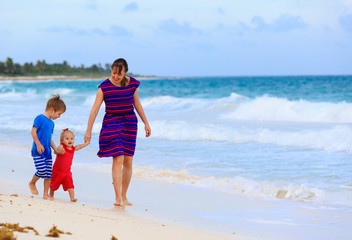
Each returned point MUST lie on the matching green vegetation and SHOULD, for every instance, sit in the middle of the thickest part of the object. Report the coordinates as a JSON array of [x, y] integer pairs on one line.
[[9, 68]]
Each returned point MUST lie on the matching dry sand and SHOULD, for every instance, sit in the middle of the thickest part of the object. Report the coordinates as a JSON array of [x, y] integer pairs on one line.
[[85, 222]]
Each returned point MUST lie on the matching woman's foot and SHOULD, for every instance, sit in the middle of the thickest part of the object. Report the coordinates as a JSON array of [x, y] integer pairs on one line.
[[74, 199], [118, 204], [127, 203]]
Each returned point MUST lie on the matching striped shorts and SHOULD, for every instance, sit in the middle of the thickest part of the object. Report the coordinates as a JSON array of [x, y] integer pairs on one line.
[[44, 166]]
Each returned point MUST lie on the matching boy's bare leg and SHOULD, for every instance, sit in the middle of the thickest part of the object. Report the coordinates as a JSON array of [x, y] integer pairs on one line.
[[32, 186], [46, 189], [71, 191], [117, 178], [126, 178], [51, 194]]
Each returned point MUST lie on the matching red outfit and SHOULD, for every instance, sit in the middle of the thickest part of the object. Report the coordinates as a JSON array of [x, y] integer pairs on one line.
[[62, 170]]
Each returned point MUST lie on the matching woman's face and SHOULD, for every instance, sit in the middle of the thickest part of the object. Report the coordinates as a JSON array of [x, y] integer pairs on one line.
[[117, 77]]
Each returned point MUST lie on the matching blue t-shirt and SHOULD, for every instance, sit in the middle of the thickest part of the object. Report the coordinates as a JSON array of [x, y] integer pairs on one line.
[[45, 129]]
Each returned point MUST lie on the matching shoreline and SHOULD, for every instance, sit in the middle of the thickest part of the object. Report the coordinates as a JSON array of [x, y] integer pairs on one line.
[[170, 211], [64, 77]]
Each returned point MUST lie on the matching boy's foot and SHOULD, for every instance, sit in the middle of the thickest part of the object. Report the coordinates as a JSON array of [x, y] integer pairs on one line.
[[48, 198], [74, 199], [127, 203], [33, 188]]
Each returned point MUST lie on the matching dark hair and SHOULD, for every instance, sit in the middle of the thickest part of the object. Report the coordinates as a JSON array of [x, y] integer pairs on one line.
[[121, 64], [56, 103]]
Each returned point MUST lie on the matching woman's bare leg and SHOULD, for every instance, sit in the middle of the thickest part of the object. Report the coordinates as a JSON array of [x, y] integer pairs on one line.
[[117, 163], [126, 178]]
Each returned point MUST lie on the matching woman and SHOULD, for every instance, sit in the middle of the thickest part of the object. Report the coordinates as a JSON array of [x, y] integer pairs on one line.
[[118, 134]]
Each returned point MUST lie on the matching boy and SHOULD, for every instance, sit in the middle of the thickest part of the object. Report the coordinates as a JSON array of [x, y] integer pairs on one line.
[[42, 130]]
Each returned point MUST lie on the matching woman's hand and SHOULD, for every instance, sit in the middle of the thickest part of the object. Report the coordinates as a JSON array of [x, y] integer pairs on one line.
[[87, 137], [148, 131]]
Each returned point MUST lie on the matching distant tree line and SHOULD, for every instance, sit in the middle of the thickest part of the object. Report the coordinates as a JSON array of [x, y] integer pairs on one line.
[[9, 68]]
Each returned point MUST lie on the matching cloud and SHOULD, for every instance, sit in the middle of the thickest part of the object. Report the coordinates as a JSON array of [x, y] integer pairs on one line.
[[132, 6], [172, 26], [284, 23], [91, 5], [5, 32], [119, 31], [346, 22], [220, 10], [99, 32], [114, 30], [66, 29]]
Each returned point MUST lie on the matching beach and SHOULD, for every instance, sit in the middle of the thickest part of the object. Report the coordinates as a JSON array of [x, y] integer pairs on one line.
[[86, 219], [94, 216], [229, 158], [78, 221], [160, 210]]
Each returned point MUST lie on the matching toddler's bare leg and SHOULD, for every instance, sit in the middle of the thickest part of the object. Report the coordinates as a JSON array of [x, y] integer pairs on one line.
[[32, 186], [71, 191]]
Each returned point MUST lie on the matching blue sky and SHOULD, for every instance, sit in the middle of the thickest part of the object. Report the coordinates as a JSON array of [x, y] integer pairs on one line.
[[183, 38]]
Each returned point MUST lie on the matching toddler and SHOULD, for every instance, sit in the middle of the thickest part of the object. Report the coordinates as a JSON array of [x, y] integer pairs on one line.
[[62, 174]]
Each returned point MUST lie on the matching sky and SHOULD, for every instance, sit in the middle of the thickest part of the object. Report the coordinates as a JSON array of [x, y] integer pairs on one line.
[[183, 38]]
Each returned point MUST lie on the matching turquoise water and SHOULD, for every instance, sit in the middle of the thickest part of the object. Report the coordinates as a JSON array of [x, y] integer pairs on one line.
[[287, 138], [311, 88]]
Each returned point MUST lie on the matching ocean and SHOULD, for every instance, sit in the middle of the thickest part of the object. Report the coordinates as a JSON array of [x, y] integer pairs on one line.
[[287, 138]]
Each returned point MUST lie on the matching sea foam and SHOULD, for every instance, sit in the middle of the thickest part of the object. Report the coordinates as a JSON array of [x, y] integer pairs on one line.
[[235, 185], [331, 138]]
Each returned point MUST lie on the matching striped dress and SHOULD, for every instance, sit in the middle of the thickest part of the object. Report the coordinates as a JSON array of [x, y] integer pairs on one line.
[[119, 130]]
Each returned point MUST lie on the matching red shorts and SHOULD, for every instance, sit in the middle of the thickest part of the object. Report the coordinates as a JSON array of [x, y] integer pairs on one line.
[[58, 178]]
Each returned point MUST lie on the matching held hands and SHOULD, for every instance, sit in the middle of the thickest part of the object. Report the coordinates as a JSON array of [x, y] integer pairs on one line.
[[87, 137], [59, 150]]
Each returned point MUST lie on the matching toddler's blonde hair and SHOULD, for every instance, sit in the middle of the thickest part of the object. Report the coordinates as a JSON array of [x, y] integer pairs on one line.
[[63, 134]]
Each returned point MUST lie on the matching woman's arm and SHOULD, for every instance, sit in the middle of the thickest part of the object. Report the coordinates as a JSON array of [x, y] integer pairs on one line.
[[138, 106], [93, 114]]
